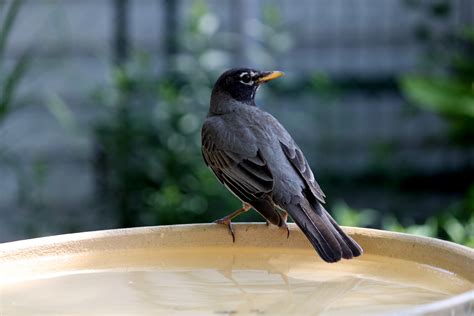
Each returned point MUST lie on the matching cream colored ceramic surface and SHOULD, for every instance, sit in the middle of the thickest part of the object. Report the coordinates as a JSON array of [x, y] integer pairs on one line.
[[434, 270]]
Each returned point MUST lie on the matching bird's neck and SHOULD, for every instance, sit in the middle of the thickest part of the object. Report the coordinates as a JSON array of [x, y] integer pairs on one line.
[[223, 103]]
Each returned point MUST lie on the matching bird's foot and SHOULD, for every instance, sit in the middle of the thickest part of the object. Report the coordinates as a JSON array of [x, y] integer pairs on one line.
[[285, 225], [226, 221], [287, 230]]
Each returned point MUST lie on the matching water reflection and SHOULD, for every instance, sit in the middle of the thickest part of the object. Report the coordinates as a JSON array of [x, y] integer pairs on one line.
[[232, 281]]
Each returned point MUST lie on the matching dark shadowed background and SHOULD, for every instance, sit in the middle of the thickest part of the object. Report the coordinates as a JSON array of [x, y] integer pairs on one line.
[[101, 104]]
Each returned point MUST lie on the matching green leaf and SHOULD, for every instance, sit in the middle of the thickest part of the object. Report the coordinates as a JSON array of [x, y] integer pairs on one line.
[[455, 230], [348, 216], [11, 82], [62, 113], [441, 95], [7, 25]]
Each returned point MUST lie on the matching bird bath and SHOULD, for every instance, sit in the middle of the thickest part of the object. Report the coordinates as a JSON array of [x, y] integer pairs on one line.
[[196, 269]]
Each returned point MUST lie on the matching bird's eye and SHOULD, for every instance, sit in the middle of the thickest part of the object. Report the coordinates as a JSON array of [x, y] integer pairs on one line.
[[245, 78]]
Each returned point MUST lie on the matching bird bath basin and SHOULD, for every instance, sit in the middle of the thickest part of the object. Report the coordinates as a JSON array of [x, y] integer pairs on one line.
[[196, 269]]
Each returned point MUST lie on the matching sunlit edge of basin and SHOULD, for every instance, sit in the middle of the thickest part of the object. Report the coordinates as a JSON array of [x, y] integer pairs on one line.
[[434, 252]]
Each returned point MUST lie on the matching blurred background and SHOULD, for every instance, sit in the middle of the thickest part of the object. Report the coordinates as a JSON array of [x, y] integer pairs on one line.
[[101, 105]]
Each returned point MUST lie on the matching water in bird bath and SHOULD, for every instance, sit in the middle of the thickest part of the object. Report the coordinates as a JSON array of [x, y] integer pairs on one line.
[[213, 280]]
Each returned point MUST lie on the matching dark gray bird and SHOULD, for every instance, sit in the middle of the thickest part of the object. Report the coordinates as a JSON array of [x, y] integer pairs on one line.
[[254, 156]]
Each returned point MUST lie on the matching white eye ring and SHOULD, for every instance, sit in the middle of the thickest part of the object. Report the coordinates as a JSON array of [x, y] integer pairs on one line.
[[249, 83]]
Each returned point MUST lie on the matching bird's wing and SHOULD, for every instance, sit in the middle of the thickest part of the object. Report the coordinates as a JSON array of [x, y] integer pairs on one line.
[[237, 164], [299, 162]]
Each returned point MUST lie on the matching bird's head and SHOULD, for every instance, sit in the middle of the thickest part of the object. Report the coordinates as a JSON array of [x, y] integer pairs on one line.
[[241, 84]]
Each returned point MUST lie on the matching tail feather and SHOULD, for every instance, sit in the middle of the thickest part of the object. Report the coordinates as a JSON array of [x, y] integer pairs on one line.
[[329, 240], [346, 250], [355, 248]]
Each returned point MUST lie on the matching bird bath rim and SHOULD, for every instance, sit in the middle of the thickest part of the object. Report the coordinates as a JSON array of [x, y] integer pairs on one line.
[[445, 255]]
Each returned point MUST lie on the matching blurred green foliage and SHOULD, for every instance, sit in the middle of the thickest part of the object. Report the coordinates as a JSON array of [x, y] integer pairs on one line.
[[149, 164], [149, 159], [348, 216], [10, 75], [29, 177], [455, 224], [448, 88], [444, 85]]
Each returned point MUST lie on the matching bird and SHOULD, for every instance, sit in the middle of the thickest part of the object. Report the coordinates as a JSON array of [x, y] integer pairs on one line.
[[257, 160]]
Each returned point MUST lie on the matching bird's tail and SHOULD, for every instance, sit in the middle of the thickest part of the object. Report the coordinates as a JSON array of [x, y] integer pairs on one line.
[[323, 232]]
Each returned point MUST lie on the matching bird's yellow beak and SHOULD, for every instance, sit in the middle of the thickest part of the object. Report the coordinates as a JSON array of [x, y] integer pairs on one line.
[[269, 75]]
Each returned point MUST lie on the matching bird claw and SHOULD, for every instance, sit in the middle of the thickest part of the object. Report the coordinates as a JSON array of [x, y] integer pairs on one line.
[[287, 231], [285, 225], [228, 223]]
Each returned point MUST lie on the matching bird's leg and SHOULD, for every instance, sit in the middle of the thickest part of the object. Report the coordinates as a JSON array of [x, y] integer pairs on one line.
[[227, 219], [284, 217]]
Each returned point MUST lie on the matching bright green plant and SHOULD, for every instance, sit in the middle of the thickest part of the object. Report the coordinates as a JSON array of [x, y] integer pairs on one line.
[[455, 224], [349, 216]]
